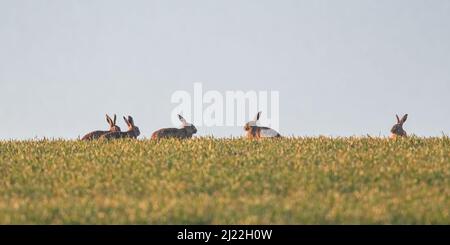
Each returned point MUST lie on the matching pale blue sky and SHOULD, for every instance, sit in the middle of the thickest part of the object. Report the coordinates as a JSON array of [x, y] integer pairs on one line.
[[342, 67]]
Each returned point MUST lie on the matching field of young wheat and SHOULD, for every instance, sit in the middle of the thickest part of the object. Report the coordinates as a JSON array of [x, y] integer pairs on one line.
[[226, 181]]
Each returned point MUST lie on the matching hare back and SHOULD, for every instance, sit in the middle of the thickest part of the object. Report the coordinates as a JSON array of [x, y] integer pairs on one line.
[[261, 132], [94, 135], [268, 132], [116, 135], [170, 133]]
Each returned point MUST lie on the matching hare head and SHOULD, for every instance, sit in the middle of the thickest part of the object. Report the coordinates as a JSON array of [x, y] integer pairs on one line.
[[252, 123], [131, 127], [112, 124], [397, 129], [190, 129]]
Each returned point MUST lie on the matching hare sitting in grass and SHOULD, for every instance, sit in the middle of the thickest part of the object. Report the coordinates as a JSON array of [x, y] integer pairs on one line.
[[181, 133], [133, 131], [255, 132], [97, 134], [397, 130]]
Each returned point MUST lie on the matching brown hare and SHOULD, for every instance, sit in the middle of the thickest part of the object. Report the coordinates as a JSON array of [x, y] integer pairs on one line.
[[97, 134], [255, 132], [397, 130], [133, 131], [181, 133]]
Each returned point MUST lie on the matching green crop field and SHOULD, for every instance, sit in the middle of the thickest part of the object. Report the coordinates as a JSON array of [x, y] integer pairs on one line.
[[226, 181]]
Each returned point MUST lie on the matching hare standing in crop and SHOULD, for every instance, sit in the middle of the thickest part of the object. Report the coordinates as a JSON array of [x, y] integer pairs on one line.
[[181, 133], [255, 132], [397, 130], [97, 134], [133, 131]]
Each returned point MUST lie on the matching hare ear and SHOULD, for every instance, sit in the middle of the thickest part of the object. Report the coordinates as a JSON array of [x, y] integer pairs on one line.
[[404, 118], [130, 121], [126, 121], [398, 118], [257, 116], [108, 119], [114, 120], [182, 119]]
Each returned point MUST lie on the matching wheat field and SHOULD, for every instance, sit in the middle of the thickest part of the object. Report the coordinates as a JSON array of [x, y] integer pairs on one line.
[[226, 181]]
